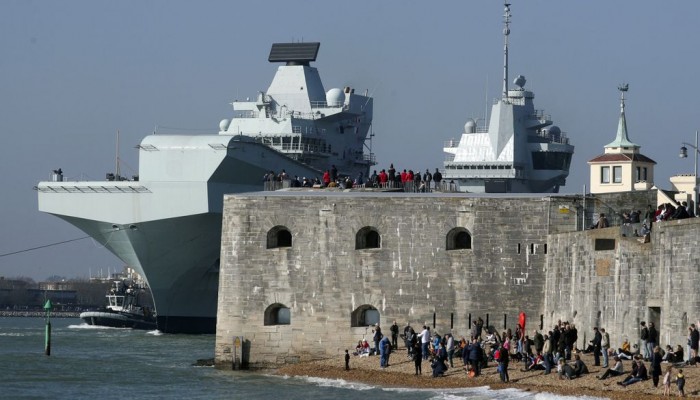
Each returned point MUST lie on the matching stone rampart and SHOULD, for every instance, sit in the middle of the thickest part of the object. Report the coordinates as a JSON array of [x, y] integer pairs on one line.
[[332, 278], [601, 278]]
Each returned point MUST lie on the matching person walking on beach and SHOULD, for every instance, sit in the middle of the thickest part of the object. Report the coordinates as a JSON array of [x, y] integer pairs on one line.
[[347, 361], [667, 381], [680, 383]]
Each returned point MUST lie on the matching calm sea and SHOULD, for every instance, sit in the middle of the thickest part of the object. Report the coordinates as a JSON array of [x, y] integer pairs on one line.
[[108, 363]]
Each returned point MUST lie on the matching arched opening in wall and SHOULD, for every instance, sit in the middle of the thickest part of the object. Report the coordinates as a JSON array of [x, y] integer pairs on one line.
[[458, 239], [367, 238], [279, 236], [277, 314], [364, 315]]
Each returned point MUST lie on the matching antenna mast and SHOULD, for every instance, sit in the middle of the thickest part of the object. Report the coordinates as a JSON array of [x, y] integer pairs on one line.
[[117, 158], [506, 32], [623, 88]]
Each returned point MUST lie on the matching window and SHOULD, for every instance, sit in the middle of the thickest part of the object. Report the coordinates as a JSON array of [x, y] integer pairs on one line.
[[617, 174], [458, 239], [279, 236], [604, 244], [604, 174], [364, 315], [644, 173], [277, 314], [367, 238], [639, 174]]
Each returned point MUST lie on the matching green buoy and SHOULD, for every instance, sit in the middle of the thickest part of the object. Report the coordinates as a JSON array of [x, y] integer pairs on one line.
[[47, 345]]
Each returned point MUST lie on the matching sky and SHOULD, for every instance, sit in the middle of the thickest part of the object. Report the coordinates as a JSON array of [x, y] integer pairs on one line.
[[73, 73]]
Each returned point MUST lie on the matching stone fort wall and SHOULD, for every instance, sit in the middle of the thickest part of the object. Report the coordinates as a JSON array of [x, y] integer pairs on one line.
[[325, 282], [601, 278], [525, 255]]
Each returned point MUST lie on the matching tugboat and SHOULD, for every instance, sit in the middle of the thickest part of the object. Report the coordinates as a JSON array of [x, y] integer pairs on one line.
[[123, 309]]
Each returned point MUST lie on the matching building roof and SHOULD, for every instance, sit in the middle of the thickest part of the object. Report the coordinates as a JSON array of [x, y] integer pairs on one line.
[[622, 157]]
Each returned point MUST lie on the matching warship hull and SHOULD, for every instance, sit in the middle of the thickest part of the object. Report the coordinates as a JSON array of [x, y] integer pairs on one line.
[[178, 252]]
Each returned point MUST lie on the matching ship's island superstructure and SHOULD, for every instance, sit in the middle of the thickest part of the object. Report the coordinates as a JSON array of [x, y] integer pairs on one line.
[[166, 222], [520, 151]]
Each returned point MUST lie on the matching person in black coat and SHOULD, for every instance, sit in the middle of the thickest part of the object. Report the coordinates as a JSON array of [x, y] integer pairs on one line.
[[656, 365], [417, 357], [597, 338]]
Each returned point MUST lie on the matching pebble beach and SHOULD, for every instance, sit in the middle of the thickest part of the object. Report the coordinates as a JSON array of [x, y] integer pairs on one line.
[[401, 373]]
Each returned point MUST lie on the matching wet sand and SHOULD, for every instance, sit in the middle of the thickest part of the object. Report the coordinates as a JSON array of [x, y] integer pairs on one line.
[[401, 373]]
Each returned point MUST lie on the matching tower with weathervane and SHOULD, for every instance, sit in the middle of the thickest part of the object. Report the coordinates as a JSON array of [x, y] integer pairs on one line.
[[622, 168]]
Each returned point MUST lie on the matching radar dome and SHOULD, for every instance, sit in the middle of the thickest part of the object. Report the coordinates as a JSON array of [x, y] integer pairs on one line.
[[335, 97], [519, 81], [223, 125], [470, 126], [553, 132]]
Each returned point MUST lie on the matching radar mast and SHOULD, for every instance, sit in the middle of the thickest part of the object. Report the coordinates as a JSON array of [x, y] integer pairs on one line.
[[506, 32]]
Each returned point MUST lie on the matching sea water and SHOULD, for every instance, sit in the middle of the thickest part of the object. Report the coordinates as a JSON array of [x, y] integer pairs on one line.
[[109, 363]]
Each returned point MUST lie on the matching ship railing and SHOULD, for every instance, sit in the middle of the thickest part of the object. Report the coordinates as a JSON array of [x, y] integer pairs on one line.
[[302, 148], [366, 159], [558, 138], [323, 104], [242, 114], [452, 143], [540, 114], [246, 114], [67, 188]]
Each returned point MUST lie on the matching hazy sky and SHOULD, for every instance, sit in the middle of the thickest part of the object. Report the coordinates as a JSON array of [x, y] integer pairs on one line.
[[72, 73]]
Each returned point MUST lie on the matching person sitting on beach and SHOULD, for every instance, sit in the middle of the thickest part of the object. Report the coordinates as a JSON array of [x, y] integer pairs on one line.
[[365, 348], [565, 370], [678, 354], [536, 363], [668, 355], [624, 351], [637, 375], [358, 348], [616, 370], [580, 367]]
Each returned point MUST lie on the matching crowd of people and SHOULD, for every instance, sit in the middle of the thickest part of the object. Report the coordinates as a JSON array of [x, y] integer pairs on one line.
[[385, 178], [553, 350]]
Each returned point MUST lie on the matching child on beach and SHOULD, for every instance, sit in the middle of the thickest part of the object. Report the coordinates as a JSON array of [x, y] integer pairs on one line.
[[680, 382], [667, 381]]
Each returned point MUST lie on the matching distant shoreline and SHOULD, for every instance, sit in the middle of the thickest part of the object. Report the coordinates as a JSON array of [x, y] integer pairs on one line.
[[40, 314]]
